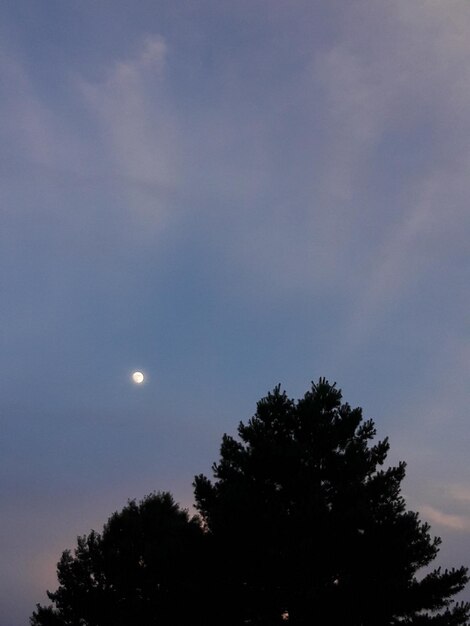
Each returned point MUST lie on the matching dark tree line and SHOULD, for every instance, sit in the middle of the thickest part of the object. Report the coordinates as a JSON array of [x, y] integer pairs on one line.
[[302, 523]]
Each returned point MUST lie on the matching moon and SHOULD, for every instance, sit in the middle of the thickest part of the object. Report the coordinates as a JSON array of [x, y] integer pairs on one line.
[[138, 378]]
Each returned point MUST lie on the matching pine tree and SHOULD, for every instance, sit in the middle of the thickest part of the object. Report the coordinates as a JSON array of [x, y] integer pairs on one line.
[[310, 526]]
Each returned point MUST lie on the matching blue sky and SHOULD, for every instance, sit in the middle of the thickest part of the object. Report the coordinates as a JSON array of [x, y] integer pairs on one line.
[[226, 195]]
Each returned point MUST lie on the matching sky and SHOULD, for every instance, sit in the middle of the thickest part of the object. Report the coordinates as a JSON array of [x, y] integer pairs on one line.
[[226, 196]]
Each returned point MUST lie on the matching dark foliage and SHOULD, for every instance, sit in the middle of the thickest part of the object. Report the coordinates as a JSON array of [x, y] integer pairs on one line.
[[142, 569], [302, 524], [312, 525]]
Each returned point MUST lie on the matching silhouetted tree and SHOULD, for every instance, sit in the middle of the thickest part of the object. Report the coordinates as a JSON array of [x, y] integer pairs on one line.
[[311, 528], [303, 524], [141, 570]]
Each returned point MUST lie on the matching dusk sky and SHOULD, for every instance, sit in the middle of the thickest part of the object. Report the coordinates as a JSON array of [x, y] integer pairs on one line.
[[225, 195]]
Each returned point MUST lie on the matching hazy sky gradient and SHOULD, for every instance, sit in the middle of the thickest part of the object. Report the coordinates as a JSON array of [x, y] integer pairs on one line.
[[226, 195]]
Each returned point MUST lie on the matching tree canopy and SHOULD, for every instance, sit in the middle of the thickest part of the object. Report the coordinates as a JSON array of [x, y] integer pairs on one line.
[[313, 525], [303, 522], [139, 570]]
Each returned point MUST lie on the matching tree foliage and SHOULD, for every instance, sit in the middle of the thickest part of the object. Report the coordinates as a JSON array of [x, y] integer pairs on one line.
[[313, 526], [302, 523], [139, 570]]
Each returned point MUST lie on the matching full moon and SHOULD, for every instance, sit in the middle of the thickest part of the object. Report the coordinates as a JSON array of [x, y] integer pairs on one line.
[[138, 378]]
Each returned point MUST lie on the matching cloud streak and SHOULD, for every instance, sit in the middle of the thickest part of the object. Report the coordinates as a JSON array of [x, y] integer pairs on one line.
[[132, 109], [138, 129], [445, 520]]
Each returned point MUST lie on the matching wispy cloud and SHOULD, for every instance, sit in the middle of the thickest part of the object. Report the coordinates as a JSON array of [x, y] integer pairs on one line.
[[133, 110], [406, 90], [445, 520], [137, 133], [33, 131], [381, 191], [460, 493]]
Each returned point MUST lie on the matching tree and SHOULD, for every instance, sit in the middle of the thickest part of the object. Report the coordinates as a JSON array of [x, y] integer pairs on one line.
[[303, 523], [140, 570], [311, 527]]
